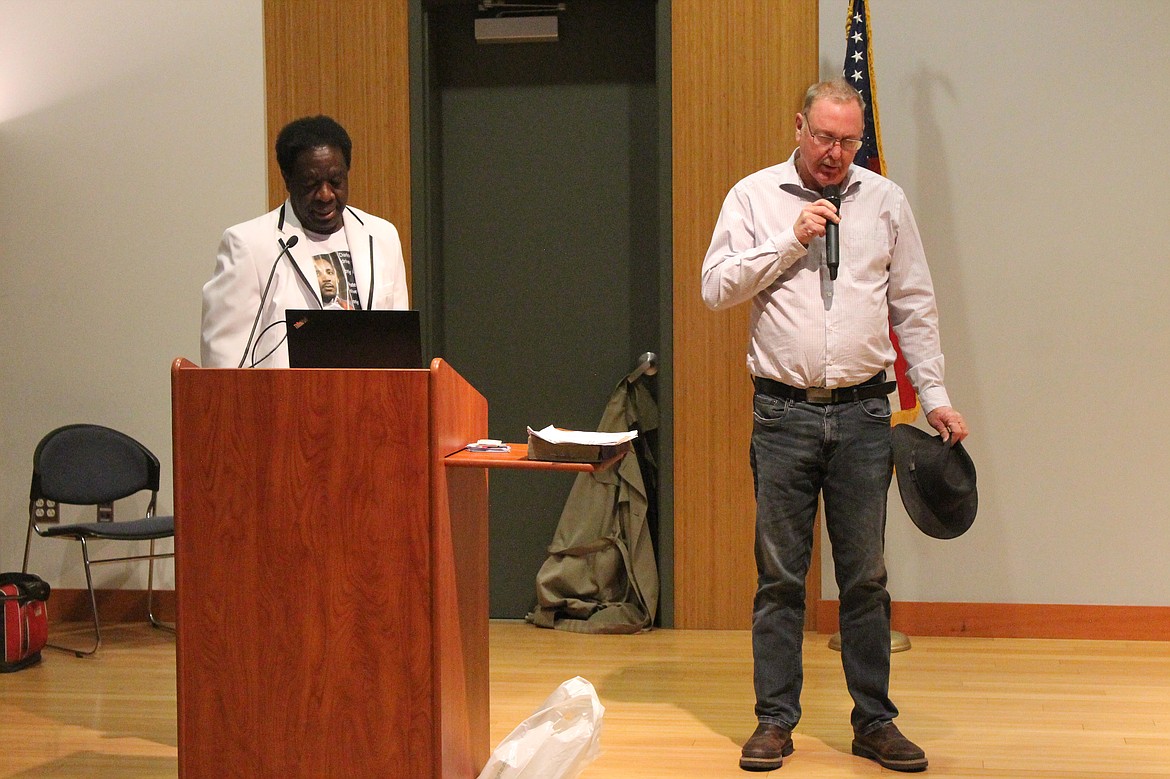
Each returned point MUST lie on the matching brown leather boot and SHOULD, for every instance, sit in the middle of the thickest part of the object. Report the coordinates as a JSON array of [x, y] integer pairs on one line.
[[766, 749], [890, 749]]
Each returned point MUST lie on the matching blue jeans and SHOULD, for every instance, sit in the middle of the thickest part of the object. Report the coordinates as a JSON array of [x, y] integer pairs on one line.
[[799, 451]]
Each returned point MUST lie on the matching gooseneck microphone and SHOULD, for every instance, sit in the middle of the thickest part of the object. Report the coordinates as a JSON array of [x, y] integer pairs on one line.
[[832, 193], [284, 247]]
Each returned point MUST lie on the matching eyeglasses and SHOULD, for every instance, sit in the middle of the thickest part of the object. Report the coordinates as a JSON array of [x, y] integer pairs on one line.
[[828, 141]]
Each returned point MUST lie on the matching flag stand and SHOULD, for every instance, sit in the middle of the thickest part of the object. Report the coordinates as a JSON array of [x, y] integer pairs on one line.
[[899, 642]]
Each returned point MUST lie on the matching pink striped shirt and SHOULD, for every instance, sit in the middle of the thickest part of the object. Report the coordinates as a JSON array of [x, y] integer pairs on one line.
[[808, 331]]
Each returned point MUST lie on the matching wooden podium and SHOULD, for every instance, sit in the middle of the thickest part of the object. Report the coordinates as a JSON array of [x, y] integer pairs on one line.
[[331, 573]]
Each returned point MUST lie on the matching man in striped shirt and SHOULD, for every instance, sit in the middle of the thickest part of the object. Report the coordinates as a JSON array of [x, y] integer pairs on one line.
[[819, 353]]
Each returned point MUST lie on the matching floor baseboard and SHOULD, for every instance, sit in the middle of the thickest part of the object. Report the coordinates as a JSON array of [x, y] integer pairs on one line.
[[113, 605], [981, 620], [1018, 620]]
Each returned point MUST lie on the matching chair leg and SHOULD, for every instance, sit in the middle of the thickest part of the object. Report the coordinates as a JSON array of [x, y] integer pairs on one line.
[[150, 594], [97, 628], [27, 545]]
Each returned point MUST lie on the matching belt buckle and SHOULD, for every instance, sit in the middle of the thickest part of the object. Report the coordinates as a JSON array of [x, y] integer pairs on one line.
[[820, 395]]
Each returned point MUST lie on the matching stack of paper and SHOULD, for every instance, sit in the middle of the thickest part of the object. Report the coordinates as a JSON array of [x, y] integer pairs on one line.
[[555, 435], [488, 445], [577, 446]]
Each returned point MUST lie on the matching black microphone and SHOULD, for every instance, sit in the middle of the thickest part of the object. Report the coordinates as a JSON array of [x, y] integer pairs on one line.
[[284, 247], [832, 193]]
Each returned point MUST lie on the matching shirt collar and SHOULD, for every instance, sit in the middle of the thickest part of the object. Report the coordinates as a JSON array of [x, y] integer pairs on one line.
[[289, 222], [791, 182]]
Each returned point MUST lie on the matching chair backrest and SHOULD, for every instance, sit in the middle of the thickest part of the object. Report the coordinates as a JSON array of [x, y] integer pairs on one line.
[[90, 464]]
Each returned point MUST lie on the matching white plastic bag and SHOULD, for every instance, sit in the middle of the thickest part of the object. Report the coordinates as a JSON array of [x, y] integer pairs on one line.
[[556, 742]]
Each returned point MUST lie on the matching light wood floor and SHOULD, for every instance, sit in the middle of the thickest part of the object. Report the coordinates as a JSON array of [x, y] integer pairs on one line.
[[678, 704]]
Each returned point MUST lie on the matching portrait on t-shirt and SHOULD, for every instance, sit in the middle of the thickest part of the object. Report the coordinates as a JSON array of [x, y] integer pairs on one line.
[[330, 280]]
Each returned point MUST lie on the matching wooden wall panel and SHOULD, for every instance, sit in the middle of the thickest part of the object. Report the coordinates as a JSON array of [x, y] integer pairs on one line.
[[739, 72], [348, 60]]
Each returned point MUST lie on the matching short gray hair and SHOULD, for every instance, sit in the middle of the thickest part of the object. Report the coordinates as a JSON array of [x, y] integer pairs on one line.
[[838, 90]]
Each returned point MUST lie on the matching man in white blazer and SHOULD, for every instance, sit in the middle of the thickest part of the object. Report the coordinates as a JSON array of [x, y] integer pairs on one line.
[[268, 265]]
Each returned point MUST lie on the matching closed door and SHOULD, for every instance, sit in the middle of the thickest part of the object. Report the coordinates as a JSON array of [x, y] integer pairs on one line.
[[541, 237]]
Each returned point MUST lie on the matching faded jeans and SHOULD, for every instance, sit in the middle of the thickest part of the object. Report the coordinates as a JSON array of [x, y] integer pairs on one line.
[[841, 451]]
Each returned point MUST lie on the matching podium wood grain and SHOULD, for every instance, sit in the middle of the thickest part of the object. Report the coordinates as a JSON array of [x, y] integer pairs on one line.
[[458, 415], [332, 615]]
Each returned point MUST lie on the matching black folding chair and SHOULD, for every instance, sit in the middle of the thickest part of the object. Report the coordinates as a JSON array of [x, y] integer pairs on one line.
[[91, 465]]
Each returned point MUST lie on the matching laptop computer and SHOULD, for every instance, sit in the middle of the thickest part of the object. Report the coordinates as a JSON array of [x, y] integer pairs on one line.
[[320, 338]]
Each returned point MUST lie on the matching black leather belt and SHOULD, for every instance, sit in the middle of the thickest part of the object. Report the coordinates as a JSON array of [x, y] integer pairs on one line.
[[875, 387]]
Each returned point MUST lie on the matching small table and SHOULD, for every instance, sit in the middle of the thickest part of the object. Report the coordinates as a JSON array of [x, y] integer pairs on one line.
[[518, 458]]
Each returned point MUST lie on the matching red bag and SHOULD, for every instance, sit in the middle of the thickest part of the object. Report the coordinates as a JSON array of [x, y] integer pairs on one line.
[[25, 627]]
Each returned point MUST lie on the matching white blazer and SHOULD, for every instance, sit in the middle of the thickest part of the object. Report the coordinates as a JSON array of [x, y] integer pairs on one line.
[[250, 252]]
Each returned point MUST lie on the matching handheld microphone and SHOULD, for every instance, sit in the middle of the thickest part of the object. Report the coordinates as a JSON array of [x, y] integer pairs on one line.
[[832, 193], [284, 247]]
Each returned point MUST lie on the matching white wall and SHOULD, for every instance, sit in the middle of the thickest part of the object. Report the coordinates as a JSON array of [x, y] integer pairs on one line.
[[1030, 137], [131, 134]]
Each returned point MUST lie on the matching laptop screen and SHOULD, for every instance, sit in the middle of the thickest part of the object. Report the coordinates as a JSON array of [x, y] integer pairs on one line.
[[319, 338]]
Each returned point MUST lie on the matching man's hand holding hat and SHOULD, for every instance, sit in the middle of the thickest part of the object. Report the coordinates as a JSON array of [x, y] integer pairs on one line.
[[949, 424]]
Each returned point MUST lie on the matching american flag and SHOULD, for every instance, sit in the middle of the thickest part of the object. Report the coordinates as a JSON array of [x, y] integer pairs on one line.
[[858, 71]]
